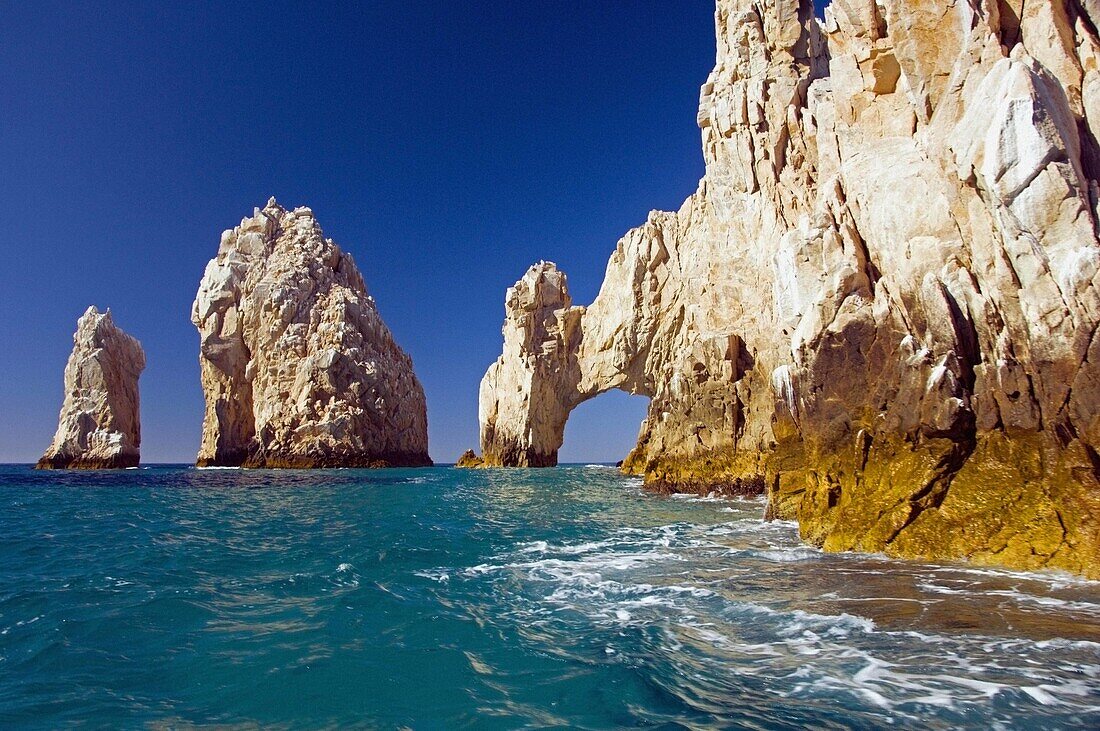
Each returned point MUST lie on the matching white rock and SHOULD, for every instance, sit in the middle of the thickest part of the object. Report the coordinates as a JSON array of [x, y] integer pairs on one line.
[[298, 368], [100, 422], [895, 202]]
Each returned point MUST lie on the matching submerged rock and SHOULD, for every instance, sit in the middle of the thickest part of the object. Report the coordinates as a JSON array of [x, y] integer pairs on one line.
[[881, 304], [298, 368], [100, 422]]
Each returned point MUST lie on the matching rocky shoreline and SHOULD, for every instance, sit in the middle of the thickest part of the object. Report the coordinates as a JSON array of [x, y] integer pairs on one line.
[[881, 304]]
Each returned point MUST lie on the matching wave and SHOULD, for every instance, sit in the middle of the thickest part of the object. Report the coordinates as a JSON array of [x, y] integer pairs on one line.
[[690, 584]]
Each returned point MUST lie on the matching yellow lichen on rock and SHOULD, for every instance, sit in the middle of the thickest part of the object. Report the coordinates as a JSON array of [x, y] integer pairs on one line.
[[470, 460]]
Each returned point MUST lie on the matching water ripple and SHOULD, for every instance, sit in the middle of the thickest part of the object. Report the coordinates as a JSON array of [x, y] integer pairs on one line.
[[177, 597]]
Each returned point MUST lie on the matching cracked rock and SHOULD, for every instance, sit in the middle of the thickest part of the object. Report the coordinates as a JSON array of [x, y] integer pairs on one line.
[[100, 422], [298, 369], [881, 302]]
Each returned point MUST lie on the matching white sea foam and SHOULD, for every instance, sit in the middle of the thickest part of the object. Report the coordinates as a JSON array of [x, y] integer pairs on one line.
[[796, 553], [1054, 579], [969, 588], [688, 497], [544, 547], [697, 586]]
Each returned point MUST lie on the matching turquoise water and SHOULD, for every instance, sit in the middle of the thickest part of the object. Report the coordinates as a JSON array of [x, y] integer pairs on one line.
[[442, 598]]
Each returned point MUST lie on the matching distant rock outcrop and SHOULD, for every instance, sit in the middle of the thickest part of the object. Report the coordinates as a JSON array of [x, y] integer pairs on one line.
[[470, 460], [100, 422], [298, 368], [882, 304]]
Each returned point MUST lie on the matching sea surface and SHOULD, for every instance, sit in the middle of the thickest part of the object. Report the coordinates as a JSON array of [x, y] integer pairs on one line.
[[170, 597]]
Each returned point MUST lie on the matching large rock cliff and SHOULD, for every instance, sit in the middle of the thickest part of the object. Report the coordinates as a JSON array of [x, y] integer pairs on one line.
[[298, 368], [881, 304], [100, 422]]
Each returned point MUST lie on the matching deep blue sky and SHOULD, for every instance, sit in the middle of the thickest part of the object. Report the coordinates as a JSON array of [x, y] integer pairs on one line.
[[446, 145]]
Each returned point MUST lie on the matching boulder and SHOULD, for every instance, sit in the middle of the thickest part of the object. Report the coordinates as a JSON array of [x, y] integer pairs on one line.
[[470, 460]]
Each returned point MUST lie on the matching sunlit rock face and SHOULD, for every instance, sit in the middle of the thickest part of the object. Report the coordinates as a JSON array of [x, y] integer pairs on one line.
[[880, 306], [100, 422], [470, 460], [298, 368]]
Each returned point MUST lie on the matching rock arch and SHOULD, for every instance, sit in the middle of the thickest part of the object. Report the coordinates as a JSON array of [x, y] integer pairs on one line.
[[883, 301], [543, 374], [558, 355]]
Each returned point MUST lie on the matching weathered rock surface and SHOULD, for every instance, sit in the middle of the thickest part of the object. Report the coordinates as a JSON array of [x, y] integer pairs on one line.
[[470, 460], [100, 422], [880, 306], [298, 368]]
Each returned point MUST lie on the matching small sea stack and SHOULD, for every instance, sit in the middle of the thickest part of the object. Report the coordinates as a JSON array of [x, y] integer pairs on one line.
[[100, 423], [470, 460], [298, 368]]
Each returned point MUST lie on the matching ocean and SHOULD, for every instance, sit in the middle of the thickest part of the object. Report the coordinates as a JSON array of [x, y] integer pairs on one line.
[[443, 598]]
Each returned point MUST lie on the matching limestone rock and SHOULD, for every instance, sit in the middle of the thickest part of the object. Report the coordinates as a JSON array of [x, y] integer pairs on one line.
[[298, 368], [100, 422], [525, 397], [470, 460], [881, 304]]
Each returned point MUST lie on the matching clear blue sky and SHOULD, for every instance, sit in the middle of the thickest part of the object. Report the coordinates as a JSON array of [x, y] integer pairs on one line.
[[446, 145]]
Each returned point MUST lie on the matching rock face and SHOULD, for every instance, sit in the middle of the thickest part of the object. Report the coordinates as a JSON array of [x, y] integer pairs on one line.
[[528, 393], [298, 368], [100, 422], [880, 306]]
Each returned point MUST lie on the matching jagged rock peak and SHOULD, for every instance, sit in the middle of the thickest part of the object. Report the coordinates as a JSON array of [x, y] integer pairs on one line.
[[519, 427], [100, 422], [881, 304], [298, 368]]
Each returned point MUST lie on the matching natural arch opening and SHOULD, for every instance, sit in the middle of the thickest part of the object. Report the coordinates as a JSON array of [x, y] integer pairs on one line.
[[603, 429]]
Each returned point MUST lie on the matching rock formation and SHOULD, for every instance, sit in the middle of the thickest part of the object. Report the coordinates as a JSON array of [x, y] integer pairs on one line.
[[100, 422], [880, 306], [298, 368], [470, 460]]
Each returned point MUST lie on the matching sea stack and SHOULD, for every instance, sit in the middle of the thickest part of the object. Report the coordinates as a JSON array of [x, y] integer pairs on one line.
[[298, 369], [881, 305], [528, 393], [100, 422], [469, 460]]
